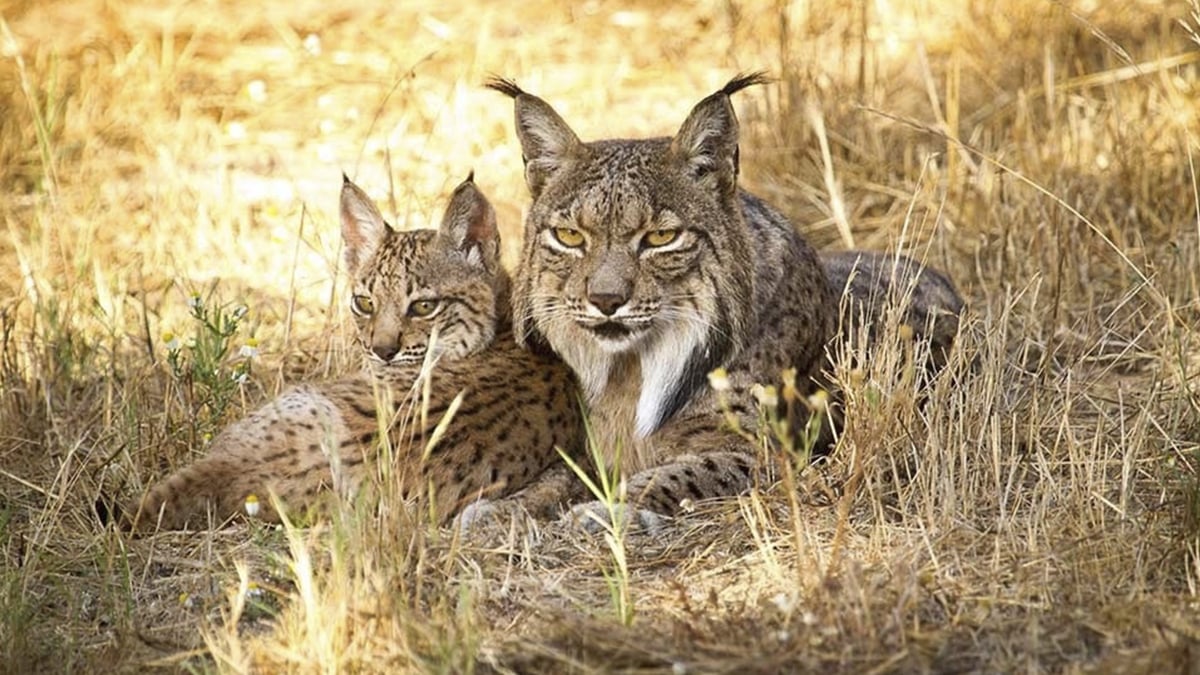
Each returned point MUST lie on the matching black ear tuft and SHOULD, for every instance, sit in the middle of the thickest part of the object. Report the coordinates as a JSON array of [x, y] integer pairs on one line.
[[743, 80], [707, 143], [547, 143], [504, 86]]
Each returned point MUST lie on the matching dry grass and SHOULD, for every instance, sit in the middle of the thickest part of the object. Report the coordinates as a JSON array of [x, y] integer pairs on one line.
[[1038, 513]]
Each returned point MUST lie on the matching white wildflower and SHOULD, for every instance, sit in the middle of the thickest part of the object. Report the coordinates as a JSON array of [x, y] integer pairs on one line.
[[818, 401], [257, 91], [250, 349], [767, 397], [719, 380]]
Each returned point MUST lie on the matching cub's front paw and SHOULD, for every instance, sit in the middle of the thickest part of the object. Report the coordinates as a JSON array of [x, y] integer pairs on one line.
[[595, 517]]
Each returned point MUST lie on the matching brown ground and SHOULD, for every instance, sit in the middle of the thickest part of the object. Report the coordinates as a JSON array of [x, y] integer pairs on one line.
[[1036, 515]]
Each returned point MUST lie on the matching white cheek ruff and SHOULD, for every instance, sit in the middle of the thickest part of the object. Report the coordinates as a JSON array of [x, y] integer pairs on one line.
[[663, 365], [591, 365]]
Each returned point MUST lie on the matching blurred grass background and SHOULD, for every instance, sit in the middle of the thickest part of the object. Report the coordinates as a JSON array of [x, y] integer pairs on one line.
[[1040, 152]]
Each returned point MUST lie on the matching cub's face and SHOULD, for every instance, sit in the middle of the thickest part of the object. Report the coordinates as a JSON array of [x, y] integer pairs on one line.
[[417, 294], [424, 294]]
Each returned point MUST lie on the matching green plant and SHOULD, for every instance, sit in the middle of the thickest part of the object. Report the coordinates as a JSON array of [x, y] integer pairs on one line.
[[609, 491], [208, 373]]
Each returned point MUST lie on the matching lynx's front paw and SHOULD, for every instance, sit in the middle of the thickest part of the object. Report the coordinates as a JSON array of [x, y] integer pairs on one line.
[[477, 513], [596, 517], [483, 512]]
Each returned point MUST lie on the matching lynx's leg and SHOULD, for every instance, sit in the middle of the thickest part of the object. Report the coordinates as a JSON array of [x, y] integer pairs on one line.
[[283, 447], [704, 460], [206, 493], [546, 497]]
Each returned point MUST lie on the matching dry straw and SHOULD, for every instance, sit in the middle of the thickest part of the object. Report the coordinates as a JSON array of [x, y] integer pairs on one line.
[[1036, 511]]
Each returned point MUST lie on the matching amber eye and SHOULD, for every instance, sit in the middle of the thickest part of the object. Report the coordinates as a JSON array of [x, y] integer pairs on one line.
[[569, 237], [423, 308], [659, 238], [362, 305]]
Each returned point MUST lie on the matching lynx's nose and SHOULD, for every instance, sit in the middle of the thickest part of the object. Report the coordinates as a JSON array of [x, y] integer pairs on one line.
[[607, 303], [385, 352]]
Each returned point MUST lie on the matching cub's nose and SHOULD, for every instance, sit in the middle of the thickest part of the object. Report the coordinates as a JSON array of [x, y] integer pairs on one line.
[[607, 303], [385, 352]]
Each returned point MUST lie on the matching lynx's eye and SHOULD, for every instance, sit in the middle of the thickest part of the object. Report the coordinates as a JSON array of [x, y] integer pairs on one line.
[[362, 305], [423, 308], [659, 238], [568, 236]]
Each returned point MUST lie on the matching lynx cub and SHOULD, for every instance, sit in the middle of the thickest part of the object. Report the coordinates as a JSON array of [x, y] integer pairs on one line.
[[428, 304], [646, 267]]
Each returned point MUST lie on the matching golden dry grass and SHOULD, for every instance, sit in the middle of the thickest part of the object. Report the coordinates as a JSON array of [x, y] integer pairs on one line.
[[1038, 513]]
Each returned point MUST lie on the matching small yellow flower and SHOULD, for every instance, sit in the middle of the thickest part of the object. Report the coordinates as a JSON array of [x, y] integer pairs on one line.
[[719, 380], [789, 385], [193, 300], [252, 506], [186, 601], [250, 349], [818, 401], [171, 341], [767, 397]]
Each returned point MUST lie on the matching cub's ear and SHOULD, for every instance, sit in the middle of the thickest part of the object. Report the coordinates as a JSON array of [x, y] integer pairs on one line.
[[547, 143], [363, 227], [707, 143], [469, 225]]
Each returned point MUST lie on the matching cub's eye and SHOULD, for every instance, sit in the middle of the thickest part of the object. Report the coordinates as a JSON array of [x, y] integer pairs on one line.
[[423, 308], [569, 237], [362, 305], [659, 238]]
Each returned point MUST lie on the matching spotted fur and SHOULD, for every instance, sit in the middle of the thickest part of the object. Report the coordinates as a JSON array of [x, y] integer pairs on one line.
[[517, 406], [642, 322]]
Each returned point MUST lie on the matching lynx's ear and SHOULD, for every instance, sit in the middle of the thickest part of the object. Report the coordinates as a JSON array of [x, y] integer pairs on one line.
[[363, 227], [469, 225], [547, 143], [707, 143]]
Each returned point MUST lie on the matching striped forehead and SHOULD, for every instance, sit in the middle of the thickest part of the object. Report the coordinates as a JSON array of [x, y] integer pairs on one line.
[[614, 195], [404, 261]]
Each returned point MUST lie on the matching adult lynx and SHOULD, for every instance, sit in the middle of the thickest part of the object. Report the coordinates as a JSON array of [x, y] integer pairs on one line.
[[428, 304], [646, 267]]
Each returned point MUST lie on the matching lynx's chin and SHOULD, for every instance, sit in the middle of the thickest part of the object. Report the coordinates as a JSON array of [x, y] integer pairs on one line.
[[613, 337]]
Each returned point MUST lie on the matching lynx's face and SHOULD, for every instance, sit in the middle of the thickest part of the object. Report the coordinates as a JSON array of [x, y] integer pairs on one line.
[[426, 293], [621, 265], [635, 250]]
